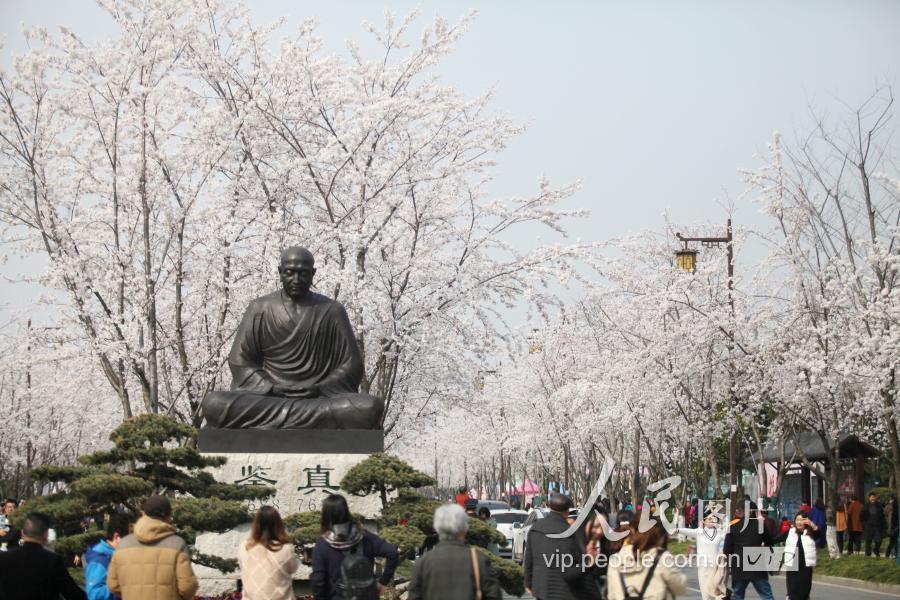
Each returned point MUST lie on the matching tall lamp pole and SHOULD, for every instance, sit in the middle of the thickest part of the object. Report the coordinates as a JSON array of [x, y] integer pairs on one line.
[[686, 260]]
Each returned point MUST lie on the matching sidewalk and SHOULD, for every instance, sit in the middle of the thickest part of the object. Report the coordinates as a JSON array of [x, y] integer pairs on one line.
[[874, 586]]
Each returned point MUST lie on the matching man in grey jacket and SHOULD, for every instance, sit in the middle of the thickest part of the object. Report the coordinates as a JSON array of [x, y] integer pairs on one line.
[[448, 572]]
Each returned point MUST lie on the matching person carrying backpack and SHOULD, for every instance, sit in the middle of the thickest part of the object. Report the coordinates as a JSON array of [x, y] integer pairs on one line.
[[643, 569], [343, 559]]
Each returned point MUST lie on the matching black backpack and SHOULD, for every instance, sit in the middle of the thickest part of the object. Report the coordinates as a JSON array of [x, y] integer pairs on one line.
[[357, 580], [627, 594]]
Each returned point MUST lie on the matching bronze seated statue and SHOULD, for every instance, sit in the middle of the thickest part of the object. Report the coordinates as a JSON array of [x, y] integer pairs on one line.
[[295, 362]]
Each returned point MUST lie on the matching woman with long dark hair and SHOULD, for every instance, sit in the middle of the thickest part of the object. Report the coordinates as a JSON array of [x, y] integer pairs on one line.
[[619, 535], [267, 559], [591, 543], [644, 568], [344, 539]]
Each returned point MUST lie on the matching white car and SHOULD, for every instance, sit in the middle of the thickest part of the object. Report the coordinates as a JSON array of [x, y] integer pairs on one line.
[[520, 532], [506, 521]]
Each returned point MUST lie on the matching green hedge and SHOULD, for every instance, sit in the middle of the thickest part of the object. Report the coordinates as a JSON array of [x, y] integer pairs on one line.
[[866, 568]]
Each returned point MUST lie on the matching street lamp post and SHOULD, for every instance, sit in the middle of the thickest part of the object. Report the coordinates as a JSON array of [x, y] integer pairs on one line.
[[686, 260]]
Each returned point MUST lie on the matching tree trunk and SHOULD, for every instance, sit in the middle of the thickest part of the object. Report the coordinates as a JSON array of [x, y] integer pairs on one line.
[[152, 385], [636, 478]]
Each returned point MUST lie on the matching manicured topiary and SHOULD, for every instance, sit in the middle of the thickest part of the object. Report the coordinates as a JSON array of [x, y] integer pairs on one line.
[[510, 576], [482, 534], [304, 527], [412, 509], [382, 474], [405, 537], [151, 454]]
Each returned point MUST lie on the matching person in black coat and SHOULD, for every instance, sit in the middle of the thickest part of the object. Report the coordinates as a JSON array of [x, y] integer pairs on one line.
[[893, 528], [872, 518], [746, 534], [341, 536], [588, 581], [551, 563], [9, 535], [31, 572]]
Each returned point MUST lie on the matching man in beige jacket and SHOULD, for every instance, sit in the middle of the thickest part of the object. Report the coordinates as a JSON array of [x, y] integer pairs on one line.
[[152, 563]]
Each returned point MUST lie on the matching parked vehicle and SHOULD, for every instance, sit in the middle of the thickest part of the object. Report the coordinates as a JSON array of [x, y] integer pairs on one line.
[[520, 532], [493, 505], [506, 521]]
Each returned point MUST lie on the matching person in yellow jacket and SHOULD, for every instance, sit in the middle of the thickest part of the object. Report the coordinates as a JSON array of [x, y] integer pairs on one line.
[[152, 563]]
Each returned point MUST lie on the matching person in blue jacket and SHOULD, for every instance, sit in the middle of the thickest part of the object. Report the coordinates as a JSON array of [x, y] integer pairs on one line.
[[96, 559], [817, 516]]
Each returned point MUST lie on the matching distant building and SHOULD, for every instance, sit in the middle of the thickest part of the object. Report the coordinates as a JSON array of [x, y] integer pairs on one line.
[[800, 483]]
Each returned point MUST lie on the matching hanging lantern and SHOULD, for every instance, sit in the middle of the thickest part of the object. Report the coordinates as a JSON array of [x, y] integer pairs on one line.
[[534, 343], [686, 260], [481, 378]]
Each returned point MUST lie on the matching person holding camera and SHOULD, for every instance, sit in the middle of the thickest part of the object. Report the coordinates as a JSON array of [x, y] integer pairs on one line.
[[9, 535]]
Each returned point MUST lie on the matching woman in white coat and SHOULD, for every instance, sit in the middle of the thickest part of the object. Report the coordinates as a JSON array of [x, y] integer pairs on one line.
[[711, 563], [799, 556]]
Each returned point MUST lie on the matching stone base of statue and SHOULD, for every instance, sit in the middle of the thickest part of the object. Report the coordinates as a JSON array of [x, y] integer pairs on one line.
[[303, 466], [290, 441]]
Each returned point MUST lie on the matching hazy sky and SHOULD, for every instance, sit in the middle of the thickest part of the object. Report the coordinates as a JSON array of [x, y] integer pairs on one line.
[[652, 105]]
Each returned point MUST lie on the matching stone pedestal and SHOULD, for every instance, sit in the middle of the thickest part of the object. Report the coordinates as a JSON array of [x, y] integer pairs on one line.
[[303, 467]]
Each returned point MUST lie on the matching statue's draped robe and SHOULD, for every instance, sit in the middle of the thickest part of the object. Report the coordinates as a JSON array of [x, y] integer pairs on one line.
[[298, 344]]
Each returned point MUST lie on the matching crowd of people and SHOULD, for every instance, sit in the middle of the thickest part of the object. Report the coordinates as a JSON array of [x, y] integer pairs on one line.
[[861, 526], [144, 559], [568, 556]]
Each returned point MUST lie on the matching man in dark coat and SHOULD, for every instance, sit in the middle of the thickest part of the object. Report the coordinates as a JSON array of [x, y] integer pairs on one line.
[[9, 535], [893, 528], [448, 571], [748, 534], [31, 572], [872, 517], [550, 563]]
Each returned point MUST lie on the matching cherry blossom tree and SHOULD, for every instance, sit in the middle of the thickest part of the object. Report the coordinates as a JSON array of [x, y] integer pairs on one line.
[[654, 367], [160, 172], [835, 247]]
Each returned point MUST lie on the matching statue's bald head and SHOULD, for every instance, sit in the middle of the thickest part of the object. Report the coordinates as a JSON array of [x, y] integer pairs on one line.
[[295, 254], [296, 269]]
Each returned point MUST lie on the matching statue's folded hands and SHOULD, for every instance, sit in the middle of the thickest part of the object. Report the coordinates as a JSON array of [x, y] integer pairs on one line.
[[292, 391]]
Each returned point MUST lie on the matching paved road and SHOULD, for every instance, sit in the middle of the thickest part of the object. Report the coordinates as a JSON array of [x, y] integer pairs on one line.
[[820, 591]]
